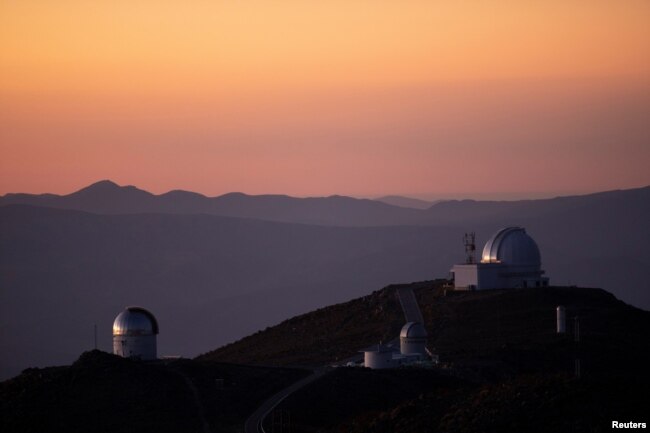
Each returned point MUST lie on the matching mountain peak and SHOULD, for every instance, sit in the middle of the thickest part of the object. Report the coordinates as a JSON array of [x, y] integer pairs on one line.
[[102, 185], [408, 202], [107, 188]]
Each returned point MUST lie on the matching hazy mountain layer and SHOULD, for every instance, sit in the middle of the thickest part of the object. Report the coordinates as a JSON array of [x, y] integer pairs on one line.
[[107, 197], [208, 279], [409, 202], [211, 280]]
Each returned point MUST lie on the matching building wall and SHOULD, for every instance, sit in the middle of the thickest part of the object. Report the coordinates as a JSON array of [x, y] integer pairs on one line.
[[378, 359], [412, 345], [465, 277], [478, 276], [490, 276], [138, 346], [496, 276]]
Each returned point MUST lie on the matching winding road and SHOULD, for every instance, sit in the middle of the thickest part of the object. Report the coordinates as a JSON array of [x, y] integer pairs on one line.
[[254, 422]]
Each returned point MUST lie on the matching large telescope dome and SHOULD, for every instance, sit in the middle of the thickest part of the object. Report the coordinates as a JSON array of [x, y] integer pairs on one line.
[[512, 246]]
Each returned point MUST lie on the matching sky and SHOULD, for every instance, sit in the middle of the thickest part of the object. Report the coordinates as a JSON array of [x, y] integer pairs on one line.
[[364, 98]]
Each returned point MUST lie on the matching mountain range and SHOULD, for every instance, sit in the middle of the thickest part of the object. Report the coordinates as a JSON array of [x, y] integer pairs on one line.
[[109, 198], [68, 263], [106, 197], [409, 202]]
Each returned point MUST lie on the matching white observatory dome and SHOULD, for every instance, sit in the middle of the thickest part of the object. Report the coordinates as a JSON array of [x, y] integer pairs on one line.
[[413, 339], [135, 321], [134, 334], [512, 246], [413, 330], [510, 260]]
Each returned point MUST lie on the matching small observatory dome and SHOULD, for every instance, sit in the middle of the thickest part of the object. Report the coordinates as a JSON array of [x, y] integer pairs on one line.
[[512, 246], [134, 334], [413, 338]]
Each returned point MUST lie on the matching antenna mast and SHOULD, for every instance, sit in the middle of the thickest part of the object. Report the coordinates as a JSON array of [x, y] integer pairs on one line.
[[470, 248]]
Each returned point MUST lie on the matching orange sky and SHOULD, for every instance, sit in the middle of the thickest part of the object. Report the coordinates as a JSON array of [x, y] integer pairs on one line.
[[302, 97]]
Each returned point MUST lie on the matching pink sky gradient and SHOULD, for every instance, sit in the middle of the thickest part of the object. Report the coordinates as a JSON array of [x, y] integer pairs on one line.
[[533, 101]]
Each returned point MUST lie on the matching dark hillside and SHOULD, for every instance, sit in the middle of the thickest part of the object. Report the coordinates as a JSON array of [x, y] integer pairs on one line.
[[500, 332], [539, 404], [504, 369], [514, 330], [345, 393], [105, 393], [325, 335]]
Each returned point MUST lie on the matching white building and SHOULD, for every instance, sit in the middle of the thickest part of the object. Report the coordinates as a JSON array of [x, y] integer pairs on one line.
[[134, 334], [413, 341], [510, 259], [378, 356]]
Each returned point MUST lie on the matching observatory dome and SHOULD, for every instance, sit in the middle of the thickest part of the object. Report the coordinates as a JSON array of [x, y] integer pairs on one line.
[[135, 321], [512, 246], [413, 330]]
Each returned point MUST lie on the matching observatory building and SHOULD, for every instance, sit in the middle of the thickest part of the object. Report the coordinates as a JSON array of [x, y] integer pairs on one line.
[[379, 356], [134, 334], [510, 259], [413, 341]]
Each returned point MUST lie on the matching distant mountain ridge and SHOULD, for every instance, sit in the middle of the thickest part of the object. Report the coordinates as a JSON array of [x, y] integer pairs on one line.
[[408, 202], [106, 197]]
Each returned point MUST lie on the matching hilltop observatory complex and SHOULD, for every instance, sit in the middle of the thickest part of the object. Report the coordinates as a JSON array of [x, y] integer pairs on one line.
[[510, 259], [413, 341], [134, 334]]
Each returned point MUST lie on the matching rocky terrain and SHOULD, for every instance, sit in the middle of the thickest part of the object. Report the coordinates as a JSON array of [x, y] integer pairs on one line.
[[105, 393], [502, 368]]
